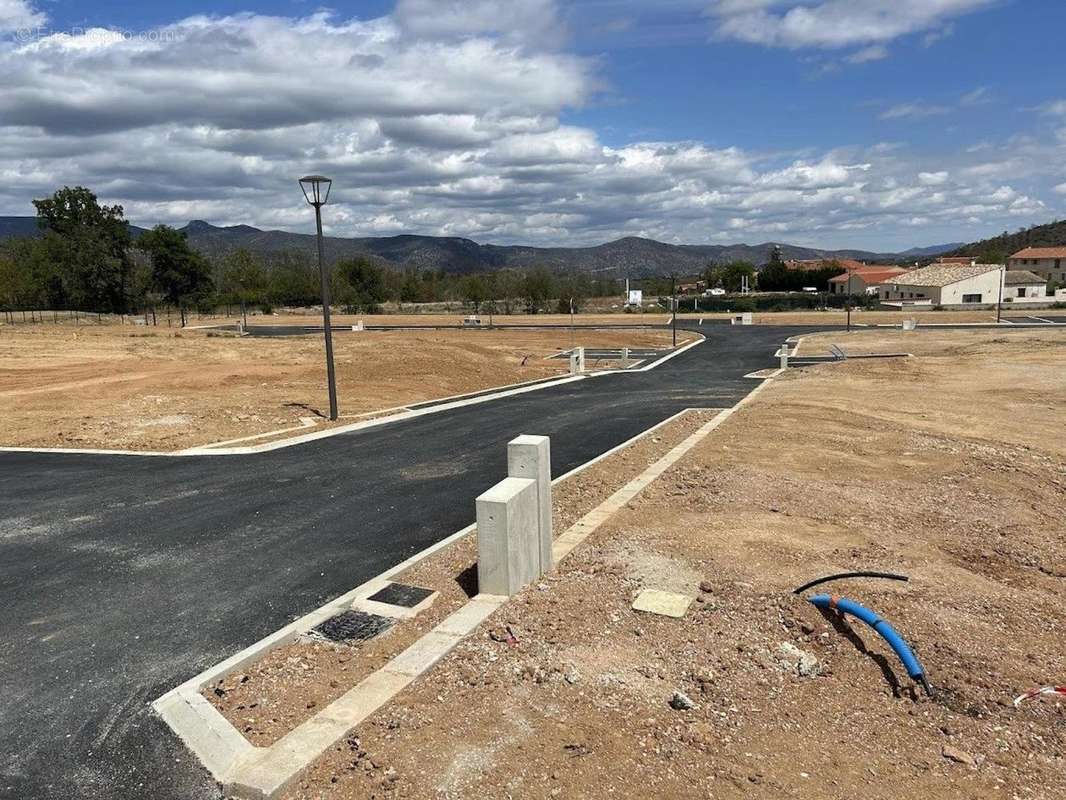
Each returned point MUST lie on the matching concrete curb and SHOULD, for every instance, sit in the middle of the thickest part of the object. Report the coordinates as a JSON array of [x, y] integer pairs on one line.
[[444, 404], [247, 771]]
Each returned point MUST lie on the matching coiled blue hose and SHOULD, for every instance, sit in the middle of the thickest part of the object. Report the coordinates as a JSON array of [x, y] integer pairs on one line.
[[887, 632]]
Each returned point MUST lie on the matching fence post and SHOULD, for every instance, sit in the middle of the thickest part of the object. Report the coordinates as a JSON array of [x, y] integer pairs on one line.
[[530, 457]]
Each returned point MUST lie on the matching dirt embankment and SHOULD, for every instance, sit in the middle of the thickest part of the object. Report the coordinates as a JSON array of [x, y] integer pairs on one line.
[[161, 389], [949, 467]]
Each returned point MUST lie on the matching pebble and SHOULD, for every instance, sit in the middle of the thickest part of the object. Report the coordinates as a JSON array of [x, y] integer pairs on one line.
[[958, 756], [681, 702]]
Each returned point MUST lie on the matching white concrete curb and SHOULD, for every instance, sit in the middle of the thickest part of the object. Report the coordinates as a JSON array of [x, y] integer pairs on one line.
[[445, 404], [253, 772]]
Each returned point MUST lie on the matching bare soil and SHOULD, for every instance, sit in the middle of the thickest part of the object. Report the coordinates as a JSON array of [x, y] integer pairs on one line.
[[293, 682], [123, 387], [949, 467]]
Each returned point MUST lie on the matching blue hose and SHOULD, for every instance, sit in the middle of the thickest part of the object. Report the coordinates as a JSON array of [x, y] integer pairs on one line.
[[888, 633]]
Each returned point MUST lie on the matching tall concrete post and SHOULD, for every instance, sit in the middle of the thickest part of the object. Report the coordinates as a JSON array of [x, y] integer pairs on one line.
[[530, 457], [508, 553]]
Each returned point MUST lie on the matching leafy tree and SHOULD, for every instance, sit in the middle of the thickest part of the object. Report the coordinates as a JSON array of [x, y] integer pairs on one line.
[[359, 285], [509, 288], [293, 280], [475, 291], [732, 275], [536, 289], [87, 243], [243, 279], [574, 287], [179, 273]]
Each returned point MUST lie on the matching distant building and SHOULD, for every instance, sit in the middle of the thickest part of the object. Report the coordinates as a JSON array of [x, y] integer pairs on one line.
[[1022, 285], [1047, 262], [943, 285], [691, 288], [863, 279], [967, 261], [812, 264]]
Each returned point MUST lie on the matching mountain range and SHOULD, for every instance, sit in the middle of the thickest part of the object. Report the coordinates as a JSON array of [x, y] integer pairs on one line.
[[628, 257]]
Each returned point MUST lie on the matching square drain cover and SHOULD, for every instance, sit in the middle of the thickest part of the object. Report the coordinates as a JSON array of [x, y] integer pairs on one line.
[[352, 626], [400, 594]]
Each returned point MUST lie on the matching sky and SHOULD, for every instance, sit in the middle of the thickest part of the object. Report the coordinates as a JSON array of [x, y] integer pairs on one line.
[[871, 124]]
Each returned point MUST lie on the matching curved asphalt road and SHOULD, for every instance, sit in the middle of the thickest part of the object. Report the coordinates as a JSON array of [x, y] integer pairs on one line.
[[122, 576]]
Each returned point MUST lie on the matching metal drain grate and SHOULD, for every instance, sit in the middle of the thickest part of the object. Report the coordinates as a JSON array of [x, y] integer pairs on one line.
[[400, 594], [352, 626]]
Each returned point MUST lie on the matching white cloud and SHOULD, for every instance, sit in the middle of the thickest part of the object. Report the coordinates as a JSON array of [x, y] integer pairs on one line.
[[18, 15], [933, 178], [978, 96], [833, 23], [1060, 189], [914, 111], [446, 126], [1055, 108], [874, 52]]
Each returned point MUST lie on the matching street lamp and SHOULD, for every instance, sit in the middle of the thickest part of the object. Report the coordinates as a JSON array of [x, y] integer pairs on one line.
[[848, 300], [316, 192]]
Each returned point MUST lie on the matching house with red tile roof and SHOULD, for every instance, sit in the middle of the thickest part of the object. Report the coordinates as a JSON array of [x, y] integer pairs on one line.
[[863, 279], [1047, 262]]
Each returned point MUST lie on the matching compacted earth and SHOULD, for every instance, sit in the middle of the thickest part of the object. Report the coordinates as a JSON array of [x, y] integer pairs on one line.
[[948, 467], [158, 388]]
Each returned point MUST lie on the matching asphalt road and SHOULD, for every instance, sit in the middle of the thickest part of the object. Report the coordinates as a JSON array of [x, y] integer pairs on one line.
[[122, 576]]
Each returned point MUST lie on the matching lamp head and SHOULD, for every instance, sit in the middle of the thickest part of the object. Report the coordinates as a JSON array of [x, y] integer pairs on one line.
[[316, 189]]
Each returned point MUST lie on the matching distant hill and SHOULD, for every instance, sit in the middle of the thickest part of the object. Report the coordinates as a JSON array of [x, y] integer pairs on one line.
[[628, 257], [999, 248], [933, 250]]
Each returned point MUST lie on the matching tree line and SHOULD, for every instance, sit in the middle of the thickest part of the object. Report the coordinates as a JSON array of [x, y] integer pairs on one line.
[[86, 259]]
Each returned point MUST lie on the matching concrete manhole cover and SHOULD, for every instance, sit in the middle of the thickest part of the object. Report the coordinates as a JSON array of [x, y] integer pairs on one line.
[[400, 594], [351, 626]]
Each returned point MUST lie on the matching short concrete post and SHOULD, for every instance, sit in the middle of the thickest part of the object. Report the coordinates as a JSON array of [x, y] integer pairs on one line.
[[573, 362], [625, 356], [581, 359], [530, 457], [508, 554], [783, 352], [358, 327]]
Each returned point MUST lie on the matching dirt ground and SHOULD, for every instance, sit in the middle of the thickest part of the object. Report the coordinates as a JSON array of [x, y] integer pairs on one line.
[[292, 683], [122, 387], [949, 467]]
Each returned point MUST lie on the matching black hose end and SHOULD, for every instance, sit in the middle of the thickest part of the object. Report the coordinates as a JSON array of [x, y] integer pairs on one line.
[[925, 685]]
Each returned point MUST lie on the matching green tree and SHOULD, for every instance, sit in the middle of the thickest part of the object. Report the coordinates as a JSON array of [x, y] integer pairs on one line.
[[537, 288], [732, 275], [359, 284], [475, 291], [179, 273], [243, 279], [509, 286], [88, 245]]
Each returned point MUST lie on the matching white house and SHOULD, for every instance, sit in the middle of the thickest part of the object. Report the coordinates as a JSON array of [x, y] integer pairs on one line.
[[1020, 286], [943, 285]]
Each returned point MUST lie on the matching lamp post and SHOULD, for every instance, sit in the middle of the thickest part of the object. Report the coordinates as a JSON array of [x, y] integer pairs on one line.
[[848, 300], [999, 302], [316, 192], [673, 306]]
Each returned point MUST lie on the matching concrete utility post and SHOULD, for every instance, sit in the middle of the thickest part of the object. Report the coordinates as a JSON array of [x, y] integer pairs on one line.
[[316, 191]]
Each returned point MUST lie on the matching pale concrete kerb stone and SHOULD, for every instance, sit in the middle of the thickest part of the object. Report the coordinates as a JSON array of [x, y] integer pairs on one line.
[[665, 604]]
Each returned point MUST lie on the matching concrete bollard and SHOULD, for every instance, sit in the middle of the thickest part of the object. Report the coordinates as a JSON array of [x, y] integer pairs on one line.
[[508, 554], [530, 457], [625, 356], [577, 361], [783, 352], [358, 327]]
